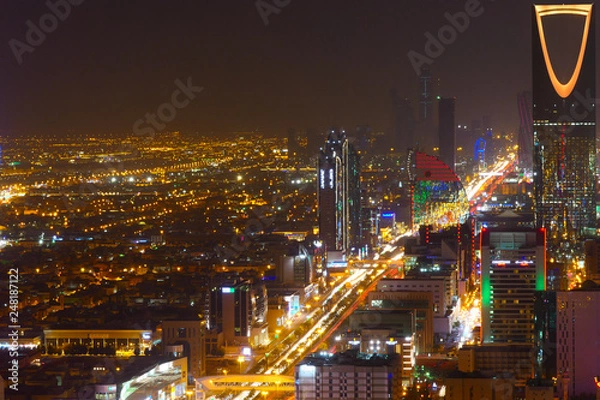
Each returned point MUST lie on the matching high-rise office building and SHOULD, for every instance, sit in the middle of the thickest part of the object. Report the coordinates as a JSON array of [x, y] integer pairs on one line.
[[578, 347], [525, 141], [404, 125], [512, 269], [446, 131], [425, 95], [339, 193], [295, 266], [545, 334], [238, 308], [564, 118]]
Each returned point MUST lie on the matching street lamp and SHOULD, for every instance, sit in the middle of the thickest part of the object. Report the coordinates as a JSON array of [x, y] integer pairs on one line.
[[240, 360]]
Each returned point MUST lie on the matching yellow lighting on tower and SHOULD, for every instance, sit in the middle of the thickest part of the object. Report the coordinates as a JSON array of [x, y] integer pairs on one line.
[[563, 89]]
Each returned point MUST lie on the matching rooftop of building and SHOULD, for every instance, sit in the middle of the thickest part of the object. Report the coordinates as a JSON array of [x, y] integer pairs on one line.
[[59, 375], [511, 228], [499, 347], [468, 375], [505, 216], [348, 357]]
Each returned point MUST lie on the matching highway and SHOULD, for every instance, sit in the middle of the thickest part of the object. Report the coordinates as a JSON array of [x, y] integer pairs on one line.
[[327, 322], [485, 179], [368, 273]]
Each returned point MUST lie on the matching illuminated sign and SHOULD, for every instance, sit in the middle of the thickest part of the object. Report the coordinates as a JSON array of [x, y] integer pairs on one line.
[[307, 371], [388, 215], [337, 264], [331, 178], [322, 175], [227, 290], [106, 389]]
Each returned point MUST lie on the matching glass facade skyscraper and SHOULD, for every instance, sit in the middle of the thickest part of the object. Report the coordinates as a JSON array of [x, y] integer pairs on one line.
[[564, 118], [339, 193]]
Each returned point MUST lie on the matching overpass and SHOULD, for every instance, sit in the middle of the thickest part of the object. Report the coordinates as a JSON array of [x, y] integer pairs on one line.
[[240, 383]]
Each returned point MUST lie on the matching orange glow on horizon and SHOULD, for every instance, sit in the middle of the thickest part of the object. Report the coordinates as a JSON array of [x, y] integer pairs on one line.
[[563, 89]]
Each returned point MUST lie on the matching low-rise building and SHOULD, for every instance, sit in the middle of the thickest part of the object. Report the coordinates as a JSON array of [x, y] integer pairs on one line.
[[420, 303], [461, 386], [189, 334], [498, 360], [125, 340]]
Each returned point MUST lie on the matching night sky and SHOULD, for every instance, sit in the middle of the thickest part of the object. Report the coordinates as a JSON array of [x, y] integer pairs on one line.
[[317, 63]]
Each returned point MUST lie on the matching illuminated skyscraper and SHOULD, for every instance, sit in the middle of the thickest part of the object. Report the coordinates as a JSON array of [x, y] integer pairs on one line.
[[339, 193], [512, 270], [564, 118]]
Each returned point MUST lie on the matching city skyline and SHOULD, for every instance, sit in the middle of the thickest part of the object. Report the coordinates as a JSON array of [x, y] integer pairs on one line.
[[312, 65], [379, 200]]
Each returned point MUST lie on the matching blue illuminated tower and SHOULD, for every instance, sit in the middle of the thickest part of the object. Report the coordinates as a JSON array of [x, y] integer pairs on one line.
[[479, 155]]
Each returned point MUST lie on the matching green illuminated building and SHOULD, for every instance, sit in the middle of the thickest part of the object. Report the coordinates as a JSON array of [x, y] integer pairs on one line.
[[513, 268]]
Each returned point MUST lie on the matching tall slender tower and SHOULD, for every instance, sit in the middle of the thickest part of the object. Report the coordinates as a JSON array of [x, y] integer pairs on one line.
[[564, 118], [425, 95], [446, 131], [339, 193], [525, 130], [403, 131]]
